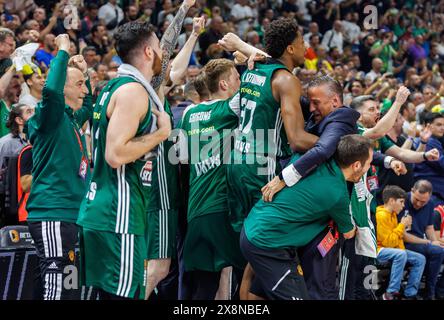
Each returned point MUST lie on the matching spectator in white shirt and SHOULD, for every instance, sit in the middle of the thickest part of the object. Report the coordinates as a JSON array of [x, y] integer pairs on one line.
[[111, 14], [241, 14], [303, 10], [334, 38], [313, 29], [375, 73], [351, 30]]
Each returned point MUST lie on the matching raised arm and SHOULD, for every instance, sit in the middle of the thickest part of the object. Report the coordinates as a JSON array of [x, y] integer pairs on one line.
[[169, 40], [121, 144], [180, 63], [410, 156], [5, 80], [231, 42], [439, 164], [387, 122], [377, 49], [50, 112]]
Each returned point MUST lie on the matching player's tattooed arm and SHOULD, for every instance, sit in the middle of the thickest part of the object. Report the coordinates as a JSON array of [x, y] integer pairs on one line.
[[179, 65], [169, 40]]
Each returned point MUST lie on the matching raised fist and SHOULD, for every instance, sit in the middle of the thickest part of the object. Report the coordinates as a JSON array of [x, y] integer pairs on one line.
[[62, 42]]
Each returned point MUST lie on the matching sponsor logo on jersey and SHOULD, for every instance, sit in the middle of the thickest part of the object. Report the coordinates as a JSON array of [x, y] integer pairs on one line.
[[146, 174], [96, 115], [53, 266], [255, 79], [14, 235]]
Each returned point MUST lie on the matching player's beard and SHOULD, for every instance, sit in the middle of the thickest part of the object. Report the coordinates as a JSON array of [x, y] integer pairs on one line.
[[157, 65]]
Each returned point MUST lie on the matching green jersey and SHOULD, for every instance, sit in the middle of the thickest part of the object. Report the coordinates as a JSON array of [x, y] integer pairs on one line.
[[260, 134], [206, 126], [60, 172], [379, 145], [116, 200], [4, 115], [360, 202], [299, 213], [163, 190]]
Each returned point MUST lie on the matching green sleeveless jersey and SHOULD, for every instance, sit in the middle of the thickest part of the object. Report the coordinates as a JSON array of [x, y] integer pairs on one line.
[[360, 202], [163, 190], [207, 128], [261, 132], [116, 199]]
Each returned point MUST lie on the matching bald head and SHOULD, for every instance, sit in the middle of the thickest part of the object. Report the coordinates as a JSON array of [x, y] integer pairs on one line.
[[377, 64], [216, 23]]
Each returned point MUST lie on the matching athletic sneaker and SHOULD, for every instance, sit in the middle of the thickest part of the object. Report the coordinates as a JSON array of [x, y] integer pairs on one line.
[[390, 296]]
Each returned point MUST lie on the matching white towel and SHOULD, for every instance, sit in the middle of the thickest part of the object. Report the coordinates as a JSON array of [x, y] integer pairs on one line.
[[127, 70], [23, 55]]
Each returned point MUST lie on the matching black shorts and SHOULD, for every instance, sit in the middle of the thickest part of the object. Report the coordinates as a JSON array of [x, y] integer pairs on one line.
[[278, 273]]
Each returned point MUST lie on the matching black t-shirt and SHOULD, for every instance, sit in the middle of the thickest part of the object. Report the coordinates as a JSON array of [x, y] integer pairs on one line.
[[388, 177], [365, 58], [26, 162]]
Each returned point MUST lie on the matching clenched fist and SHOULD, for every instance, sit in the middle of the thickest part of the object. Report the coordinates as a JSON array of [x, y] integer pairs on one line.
[[402, 95], [62, 42]]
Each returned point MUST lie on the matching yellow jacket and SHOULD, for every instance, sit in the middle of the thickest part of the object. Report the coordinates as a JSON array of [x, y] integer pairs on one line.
[[389, 232]]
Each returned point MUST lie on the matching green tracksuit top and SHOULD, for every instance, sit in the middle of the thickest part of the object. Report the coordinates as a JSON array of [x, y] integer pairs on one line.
[[58, 143]]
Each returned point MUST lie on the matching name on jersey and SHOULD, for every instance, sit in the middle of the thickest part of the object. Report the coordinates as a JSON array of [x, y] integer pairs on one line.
[[208, 164], [200, 116], [255, 79]]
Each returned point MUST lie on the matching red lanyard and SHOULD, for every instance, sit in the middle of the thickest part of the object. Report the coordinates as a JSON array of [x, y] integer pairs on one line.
[[78, 140]]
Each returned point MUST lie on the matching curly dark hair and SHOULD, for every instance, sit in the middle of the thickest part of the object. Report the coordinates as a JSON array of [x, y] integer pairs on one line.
[[280, 34], [130, 37]]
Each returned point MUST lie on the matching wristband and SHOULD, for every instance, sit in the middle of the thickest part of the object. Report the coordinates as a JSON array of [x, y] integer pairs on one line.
[[424, 156]]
